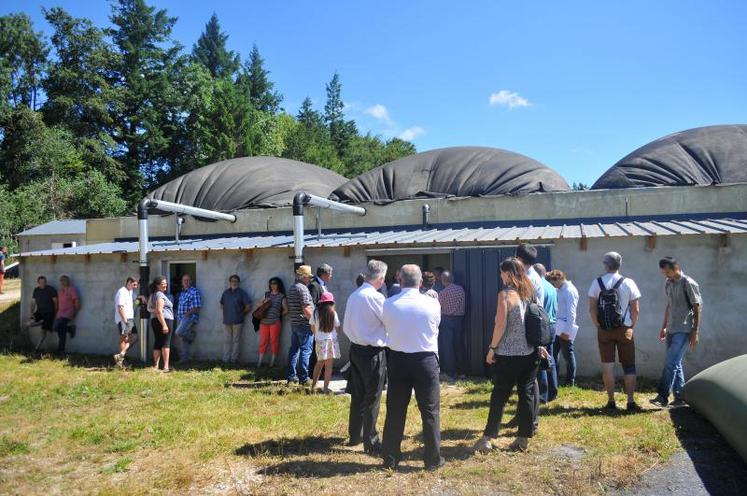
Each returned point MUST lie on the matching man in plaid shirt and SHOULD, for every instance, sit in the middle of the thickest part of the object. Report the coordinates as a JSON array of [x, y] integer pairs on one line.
[[187, 316], [451, 347]]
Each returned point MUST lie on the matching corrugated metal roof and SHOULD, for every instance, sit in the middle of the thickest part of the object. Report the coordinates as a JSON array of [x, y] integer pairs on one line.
[[70, 226], [426, 237]]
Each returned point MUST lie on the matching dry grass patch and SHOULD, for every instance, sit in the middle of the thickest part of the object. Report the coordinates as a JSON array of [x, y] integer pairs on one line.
[[83, 427]]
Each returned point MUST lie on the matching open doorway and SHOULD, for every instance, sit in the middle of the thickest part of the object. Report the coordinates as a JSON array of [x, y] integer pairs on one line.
[[426, 259], [175, 272]]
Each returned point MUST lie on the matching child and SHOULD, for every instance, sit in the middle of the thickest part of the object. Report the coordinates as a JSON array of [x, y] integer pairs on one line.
[[325, 324]]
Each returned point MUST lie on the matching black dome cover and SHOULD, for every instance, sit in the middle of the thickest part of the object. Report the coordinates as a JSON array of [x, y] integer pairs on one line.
[[705, 155], [458, 171], [248, 182]]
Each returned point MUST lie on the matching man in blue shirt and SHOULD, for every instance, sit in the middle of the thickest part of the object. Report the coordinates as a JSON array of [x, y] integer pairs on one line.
[[187, 316], [548, 378]]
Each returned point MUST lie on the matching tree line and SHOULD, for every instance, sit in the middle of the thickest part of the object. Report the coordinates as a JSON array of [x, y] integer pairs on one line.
[[91, 117]]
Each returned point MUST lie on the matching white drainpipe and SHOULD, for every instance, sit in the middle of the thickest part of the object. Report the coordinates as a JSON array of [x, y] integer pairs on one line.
[[299, 201], [144, 206]]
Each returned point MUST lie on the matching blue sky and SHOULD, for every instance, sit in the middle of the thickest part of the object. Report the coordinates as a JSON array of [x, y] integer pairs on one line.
[[575, 85]]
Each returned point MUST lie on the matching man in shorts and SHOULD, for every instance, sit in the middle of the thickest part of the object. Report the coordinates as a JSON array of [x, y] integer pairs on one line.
[[618, 338], [124, 318]]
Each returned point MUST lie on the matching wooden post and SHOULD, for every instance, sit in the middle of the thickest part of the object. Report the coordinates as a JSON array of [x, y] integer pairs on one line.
[[650, 243]]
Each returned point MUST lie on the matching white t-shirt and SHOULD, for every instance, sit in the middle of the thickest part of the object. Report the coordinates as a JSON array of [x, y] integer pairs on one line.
[[123, 298], [628, 292], [319, 335]]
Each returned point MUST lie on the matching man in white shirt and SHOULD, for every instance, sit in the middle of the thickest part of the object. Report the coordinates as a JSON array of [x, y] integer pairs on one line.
[[124, 318], [365, 329], [411, 321], [565, 326], [619, 335]]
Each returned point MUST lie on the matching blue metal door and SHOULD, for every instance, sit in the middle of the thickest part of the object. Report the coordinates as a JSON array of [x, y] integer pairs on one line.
[[476, 269]]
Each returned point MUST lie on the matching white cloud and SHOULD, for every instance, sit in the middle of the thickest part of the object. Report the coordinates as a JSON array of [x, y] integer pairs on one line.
[[411, 133], [509, 99], [379, 112]]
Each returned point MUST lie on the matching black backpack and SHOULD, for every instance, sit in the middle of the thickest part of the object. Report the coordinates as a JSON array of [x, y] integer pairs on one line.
[[537, 325], [609, 312]]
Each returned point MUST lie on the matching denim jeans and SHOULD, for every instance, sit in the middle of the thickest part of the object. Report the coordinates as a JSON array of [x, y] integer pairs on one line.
[[548, 379], [185, 330], [301, 343], [566, 346], [451, 348], [673, 376]]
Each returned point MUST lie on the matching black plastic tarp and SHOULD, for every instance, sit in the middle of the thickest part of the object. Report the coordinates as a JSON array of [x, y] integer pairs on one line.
[[248, 182], [705, 155], [459, 171]]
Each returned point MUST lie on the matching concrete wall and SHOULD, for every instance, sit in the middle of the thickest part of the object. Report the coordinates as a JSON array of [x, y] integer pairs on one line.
[[98, 280], [538, 206], [721, 273], [44, 242]]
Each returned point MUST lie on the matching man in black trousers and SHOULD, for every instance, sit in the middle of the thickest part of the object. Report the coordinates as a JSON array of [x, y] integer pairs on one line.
[[411, 321], [365, 329]]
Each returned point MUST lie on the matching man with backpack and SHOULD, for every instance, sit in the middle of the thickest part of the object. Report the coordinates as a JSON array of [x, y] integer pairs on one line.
[[681, 327], [614, 308]]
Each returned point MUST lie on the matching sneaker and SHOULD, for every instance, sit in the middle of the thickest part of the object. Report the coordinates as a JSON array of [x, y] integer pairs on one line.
[[119, 360], [659, 401], [483, 445], [519, 444], [292, 381], [633, 407], [678, 402], [306, 383], [610, 405]]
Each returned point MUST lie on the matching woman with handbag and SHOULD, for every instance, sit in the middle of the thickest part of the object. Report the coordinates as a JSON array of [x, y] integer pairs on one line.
[[270, 311], [514, 361]]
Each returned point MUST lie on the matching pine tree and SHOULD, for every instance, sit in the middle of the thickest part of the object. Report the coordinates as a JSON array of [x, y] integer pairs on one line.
[[79, 91], [340, 131], [210, 51], [23, 58], [256, 83], [148, 107]]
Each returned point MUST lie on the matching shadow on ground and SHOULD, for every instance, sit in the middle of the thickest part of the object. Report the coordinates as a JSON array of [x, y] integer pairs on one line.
[[720, 469], [291, 446]]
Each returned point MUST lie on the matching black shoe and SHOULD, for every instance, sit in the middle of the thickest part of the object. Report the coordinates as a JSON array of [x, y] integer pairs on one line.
[[610, 405], [441, 462], [390, 463], [659, 401], [373, 450], [633, 407]]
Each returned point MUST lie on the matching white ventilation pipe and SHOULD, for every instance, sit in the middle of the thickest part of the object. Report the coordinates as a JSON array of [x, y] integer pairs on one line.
[[302, 199], [145, 205]]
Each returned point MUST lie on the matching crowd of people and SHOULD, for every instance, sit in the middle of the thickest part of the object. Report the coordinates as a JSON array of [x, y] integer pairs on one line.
[[410, 336]]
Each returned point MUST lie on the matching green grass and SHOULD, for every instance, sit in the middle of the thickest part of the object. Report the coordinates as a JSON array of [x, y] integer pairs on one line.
[[80, 425]]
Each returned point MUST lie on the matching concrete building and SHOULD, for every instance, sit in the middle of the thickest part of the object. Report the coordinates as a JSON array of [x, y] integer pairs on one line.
[[67, 233], [703, 226]]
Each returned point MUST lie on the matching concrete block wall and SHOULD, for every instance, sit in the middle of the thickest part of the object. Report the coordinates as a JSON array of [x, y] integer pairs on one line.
[[98, 279], [720, 271]]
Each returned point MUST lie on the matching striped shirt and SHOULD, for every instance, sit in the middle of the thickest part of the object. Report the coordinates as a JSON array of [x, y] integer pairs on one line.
[[451, 299], [298, 297]]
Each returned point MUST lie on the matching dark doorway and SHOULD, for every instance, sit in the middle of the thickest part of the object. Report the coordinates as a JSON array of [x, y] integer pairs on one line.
[[476, 269], [176, 271], [426, 261]]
